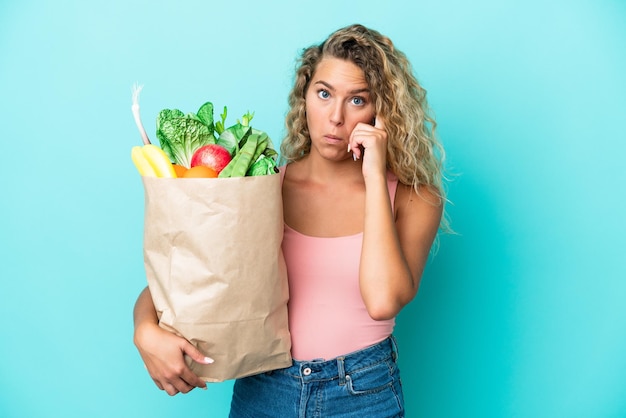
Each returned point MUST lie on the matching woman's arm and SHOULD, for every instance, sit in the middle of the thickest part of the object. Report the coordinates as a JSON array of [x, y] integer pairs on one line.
[[163, 352], [395, 246], [395, 252]]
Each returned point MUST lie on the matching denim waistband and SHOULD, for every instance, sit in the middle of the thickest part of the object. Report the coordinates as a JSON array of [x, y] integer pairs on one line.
[[337, 368]]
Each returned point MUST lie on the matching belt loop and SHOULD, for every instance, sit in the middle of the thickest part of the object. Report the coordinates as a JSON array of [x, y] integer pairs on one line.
[[394, 348], [341, 370]]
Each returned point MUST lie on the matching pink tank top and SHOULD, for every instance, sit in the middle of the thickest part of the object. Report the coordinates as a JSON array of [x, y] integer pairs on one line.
[[327, 315]]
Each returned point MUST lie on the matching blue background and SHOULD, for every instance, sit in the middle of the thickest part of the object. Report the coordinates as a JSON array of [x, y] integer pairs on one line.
[[519, 315]]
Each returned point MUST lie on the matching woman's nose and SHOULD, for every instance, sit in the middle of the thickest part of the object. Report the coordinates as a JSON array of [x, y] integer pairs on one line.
[[336, 115]]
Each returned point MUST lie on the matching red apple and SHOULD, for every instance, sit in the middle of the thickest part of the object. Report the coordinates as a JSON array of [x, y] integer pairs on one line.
[[212, 155]]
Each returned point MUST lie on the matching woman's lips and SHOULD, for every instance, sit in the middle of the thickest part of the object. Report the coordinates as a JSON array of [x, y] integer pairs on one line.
[[332, 138]]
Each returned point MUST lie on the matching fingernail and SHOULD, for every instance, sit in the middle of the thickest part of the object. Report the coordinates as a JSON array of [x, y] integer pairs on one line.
[[349, 148], [208, 360], [354, 156]]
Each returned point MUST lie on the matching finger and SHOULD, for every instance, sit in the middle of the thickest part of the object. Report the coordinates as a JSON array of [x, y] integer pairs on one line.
[[360, 139], [170, 389], [184, 387], [193, 380], [195, 354], [178, 384], [173, 382], [159, 385], [190, 377], [354, 147], [357, 138], [379, 123]]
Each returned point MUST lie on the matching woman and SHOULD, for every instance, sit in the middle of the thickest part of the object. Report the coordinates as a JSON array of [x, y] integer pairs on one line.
[[363, 202]]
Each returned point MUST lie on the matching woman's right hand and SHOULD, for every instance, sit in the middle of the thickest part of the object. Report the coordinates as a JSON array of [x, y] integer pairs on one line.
[[163, 352], [163, 355]]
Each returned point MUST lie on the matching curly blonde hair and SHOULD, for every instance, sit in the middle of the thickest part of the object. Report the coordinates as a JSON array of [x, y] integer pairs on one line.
[[414, 153]]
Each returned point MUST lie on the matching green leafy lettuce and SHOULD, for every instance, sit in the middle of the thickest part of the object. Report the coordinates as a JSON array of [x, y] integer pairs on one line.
[[180, 135]]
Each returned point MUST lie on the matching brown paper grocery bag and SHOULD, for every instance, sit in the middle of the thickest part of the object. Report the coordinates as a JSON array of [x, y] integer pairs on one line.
[[216, 272]]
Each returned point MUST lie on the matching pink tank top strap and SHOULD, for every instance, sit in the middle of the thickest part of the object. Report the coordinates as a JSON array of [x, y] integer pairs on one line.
[[392, 185]]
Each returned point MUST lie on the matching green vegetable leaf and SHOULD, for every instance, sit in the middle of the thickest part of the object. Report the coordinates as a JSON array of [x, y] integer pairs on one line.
[[219, 125], [270, 152], [245, 119], [262, 166], [234, 138], [166, 114], [180, 135], [205, 114], [169, 114]]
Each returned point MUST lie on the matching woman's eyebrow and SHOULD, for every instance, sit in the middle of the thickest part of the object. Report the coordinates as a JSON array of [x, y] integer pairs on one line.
[[357, 91], [325, 84], [331, 88]]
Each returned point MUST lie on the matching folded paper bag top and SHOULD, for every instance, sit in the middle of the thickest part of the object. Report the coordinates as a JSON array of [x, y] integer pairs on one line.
[[216, 272]]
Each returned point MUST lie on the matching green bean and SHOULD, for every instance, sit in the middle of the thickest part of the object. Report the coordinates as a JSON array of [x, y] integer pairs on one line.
[[262, 144], [229, 167], [245, 157]]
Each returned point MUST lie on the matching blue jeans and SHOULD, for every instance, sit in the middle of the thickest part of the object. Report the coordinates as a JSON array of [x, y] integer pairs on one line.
[[365, 383]]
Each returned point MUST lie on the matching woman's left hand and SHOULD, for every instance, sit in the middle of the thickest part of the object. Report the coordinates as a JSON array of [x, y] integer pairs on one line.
[[369, 143]]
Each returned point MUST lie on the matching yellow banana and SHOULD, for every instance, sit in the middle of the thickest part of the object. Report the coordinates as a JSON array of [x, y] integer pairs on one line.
[[158, 160], [140, 161], [152, 161]]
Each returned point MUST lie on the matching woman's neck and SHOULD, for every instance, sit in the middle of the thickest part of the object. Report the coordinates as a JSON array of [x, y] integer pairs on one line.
[[320, 170]]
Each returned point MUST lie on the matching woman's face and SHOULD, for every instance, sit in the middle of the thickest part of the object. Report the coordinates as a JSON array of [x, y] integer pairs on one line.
[[337, 99]]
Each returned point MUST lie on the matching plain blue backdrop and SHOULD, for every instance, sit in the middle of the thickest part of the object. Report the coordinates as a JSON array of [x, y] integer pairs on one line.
[[519, 315]]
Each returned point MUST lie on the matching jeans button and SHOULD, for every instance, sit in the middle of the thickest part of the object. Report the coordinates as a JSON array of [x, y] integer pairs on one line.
[[306, 371]]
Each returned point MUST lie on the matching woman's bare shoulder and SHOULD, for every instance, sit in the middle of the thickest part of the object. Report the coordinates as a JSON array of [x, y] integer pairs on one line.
[[424, 203]]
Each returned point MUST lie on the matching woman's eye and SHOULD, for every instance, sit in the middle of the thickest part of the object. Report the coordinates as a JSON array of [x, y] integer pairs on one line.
[[323, 94], [359, 101]]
